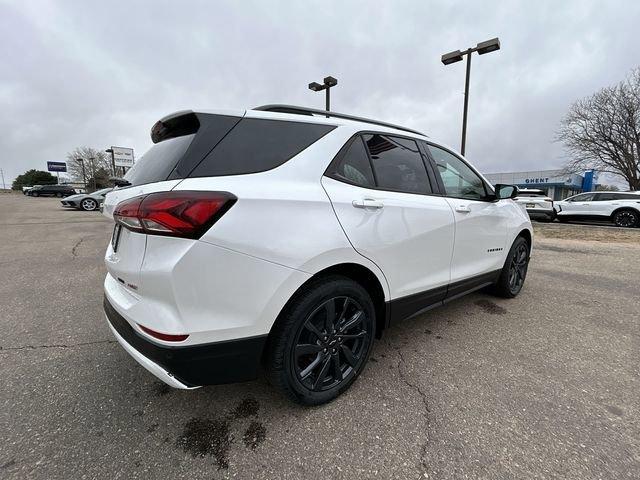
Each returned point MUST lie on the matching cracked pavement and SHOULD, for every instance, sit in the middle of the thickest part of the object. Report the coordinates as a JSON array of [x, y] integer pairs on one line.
[[542, 386]]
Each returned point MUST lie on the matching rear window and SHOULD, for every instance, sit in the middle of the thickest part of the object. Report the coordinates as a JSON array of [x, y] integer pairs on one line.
[[256, 145], [159, 161]]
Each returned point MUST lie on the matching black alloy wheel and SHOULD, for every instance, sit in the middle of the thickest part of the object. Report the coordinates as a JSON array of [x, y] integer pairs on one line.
[[331, 344], [625, 218], [321, 340], [518, 268]]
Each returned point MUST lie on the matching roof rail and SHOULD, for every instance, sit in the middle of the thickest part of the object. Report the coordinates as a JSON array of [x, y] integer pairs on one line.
[[312, 111]]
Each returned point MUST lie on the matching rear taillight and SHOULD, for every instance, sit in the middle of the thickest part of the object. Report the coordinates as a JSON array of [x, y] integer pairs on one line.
[[187, 214]]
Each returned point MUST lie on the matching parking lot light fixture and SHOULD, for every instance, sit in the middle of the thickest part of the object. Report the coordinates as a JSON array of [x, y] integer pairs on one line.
[[327, 84], [452, 57]]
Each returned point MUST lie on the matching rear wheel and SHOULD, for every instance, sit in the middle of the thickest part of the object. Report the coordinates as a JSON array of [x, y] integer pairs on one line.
[[625, 218], [514, 270], [88, 204], [321, 341]]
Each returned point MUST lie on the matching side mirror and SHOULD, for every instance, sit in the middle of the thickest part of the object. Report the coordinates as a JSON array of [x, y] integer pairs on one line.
[[505, 191]]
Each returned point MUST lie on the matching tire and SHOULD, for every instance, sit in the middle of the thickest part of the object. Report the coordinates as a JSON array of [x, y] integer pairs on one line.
[[88, 204], [625, 218], [562, 218], [300, 357], [35, 194], [59, 195], [514, 271]]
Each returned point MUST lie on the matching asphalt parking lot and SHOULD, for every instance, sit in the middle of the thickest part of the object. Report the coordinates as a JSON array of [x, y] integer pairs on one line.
[[545, 385]]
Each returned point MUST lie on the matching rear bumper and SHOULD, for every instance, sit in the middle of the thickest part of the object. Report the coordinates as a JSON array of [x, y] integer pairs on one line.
[[190, 366], [539, 212]]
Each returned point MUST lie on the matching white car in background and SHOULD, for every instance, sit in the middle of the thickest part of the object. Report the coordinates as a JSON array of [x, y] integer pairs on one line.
[[622, 208], [537, 203]]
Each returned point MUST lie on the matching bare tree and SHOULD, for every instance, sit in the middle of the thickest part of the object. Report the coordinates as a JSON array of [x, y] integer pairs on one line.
[[94, 162], [603, 131]]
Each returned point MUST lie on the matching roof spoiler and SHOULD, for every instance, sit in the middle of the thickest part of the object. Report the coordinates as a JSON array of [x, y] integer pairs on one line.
[[177, 124]]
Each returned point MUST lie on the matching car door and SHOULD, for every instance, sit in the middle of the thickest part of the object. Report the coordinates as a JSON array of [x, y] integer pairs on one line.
[[578, 205], [382, 195], [603, 204], [481, 224]]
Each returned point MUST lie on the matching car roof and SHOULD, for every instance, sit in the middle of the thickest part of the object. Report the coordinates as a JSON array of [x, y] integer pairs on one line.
[[295, 113]]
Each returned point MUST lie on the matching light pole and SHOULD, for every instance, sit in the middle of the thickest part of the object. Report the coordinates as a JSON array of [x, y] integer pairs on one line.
[[84, 176], [326, 86], [456, 56]]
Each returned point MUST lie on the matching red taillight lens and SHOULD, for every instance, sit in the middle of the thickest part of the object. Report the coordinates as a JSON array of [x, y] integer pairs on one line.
[[186, 214]]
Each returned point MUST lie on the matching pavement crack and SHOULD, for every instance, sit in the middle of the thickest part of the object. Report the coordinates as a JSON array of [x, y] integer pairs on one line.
[[423, 396], [58, 345], [410, 384], [74, 250]]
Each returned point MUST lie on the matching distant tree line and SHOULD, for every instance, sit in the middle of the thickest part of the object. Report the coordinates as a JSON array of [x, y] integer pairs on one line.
[[95, 174]]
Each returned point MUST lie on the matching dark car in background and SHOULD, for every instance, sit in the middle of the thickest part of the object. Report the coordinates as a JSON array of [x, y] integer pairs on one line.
[[51, 191]]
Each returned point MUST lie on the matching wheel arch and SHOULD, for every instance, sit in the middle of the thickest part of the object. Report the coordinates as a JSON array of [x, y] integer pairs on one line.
[[359, 274], [625, 207]]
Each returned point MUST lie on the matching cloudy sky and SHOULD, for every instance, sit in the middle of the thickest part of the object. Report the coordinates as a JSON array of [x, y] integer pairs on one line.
[[90, 73]]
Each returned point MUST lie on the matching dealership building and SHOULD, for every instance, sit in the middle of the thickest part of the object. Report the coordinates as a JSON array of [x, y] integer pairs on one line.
[[556, 183]]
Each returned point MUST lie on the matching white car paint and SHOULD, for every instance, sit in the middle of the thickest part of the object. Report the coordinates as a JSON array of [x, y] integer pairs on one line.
[[288, 224], [536, 203], [598, 204]]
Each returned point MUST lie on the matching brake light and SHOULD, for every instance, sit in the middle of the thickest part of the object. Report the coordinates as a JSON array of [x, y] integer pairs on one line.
[[187, 214]]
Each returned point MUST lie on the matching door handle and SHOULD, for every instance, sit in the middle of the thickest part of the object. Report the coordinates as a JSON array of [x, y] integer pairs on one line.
[[367, 203], [463, 209]]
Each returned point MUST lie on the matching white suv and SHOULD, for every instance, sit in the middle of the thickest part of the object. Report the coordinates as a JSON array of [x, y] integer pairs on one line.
[[290, 238], [537, 203], [622, 208]]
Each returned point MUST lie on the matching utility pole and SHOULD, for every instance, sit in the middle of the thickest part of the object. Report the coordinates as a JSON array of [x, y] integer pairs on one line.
[[2, 174]]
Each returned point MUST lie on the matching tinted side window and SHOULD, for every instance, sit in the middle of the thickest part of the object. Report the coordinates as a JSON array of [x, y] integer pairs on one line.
[[583, 197], [459, 180], [354, 165], [627, 196], [397, 164], [604, 197], [256, 145]]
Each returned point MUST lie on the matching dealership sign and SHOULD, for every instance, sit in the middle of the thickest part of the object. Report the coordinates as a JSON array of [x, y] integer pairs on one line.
[[57, 166], [123, 157]]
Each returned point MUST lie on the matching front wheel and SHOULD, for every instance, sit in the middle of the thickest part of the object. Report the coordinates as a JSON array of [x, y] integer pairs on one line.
[[514, 270], [88, 204], [321, 341], [625, 218]]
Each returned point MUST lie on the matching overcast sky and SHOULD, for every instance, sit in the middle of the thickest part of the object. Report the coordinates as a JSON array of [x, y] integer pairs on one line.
[[101, 73]]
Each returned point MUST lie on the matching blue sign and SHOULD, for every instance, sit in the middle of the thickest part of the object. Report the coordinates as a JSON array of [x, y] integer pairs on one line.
[[57, 166]]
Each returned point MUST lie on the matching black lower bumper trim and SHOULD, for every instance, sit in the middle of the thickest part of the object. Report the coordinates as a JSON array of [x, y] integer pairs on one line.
[[209, 364]]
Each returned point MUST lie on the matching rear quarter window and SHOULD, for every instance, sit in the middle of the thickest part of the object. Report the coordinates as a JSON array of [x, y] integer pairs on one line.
[[257, 145]]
